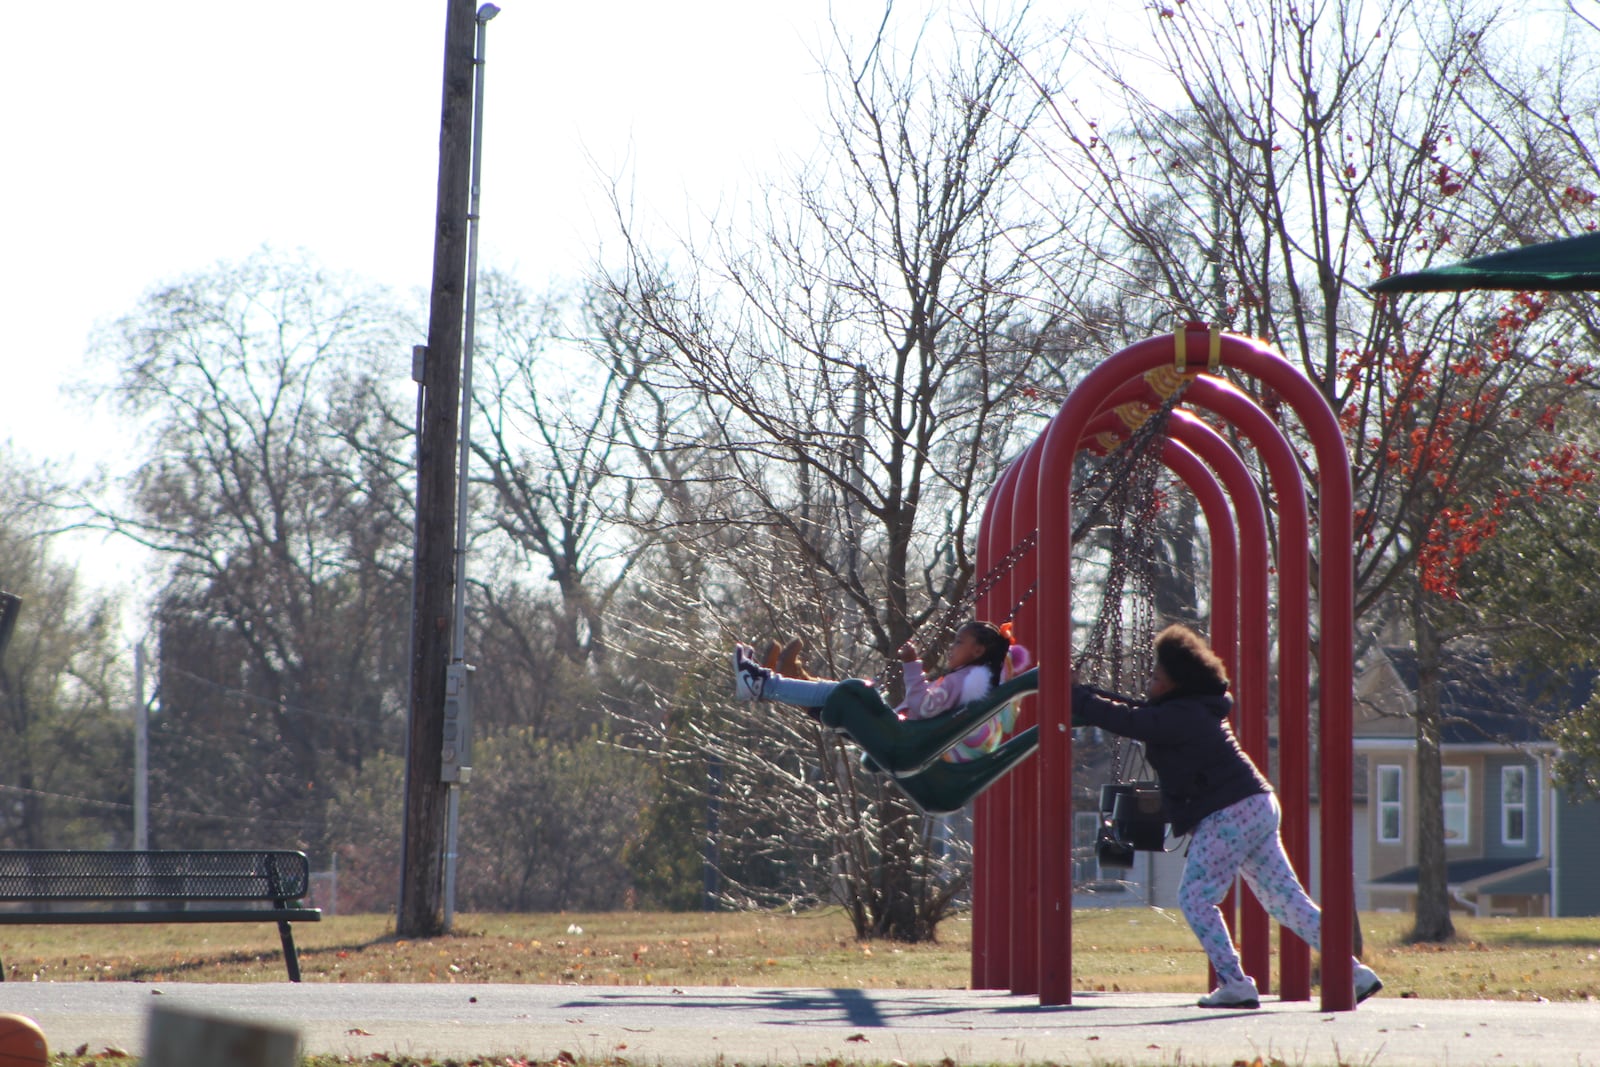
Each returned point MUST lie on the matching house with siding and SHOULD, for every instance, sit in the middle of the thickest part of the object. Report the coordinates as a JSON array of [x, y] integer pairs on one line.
[[1515, 842]]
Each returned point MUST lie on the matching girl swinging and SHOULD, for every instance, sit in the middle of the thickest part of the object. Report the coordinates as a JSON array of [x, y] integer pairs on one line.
[[980, 658]]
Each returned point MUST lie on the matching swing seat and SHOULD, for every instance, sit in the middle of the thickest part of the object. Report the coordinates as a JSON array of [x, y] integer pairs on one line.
[[1134, 813], [945, 788], [906, 746]]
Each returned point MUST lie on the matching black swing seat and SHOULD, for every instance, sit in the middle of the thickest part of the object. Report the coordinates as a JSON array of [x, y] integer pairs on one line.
[[1132, 819], [906, 746], [944, 788]]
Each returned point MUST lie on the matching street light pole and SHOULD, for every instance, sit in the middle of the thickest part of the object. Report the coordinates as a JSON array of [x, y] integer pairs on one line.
[[141, 754], [455, 768]]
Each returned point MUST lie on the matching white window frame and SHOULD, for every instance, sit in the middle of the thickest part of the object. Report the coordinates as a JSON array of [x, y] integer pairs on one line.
[[1395, 805], [1458, 812], [1508, 808]]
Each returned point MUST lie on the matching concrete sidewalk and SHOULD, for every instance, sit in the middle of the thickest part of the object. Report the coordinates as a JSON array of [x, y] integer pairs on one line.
[[702, 1026]]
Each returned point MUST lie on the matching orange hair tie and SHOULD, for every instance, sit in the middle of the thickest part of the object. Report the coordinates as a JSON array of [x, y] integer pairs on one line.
[[1006, 632]]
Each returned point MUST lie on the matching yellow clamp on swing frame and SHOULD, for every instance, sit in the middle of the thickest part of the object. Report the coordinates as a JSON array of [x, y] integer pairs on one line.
[[1180, 352]]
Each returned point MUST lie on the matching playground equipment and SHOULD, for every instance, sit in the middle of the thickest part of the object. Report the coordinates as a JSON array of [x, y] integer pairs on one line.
[[1130, 821], [913, 750], [1023, 864], [1133, 411], [904, 747], [1023, 850]]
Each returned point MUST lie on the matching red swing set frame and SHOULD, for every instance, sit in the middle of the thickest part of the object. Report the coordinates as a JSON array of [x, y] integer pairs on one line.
[[1022, 865]]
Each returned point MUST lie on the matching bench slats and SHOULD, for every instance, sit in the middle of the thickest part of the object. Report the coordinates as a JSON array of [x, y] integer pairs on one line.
[[63, 874], [267, 885]]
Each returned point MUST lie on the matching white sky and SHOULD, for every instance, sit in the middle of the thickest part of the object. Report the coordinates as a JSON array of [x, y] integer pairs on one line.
[[149, 140], [146, 140]]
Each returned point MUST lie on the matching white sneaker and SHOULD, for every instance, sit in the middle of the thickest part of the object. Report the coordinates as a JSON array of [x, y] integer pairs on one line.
[[1367, 982], [1232, 995], [749, 677]]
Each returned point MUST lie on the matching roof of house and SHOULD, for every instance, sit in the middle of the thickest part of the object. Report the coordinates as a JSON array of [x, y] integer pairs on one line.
[[1484, 875], [1482, 702]]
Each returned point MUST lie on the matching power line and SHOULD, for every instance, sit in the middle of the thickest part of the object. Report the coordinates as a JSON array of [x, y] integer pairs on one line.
[[281, 706], [116, 805]]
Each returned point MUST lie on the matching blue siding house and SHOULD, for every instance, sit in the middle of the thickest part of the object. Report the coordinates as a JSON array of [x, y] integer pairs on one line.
[[1515, 842]]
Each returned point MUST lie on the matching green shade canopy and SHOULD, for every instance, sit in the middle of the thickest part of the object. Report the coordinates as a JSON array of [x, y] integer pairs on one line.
[[1568, 265]]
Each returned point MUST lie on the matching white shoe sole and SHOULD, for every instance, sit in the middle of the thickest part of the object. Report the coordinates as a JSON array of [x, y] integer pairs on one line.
[[1238, 1005]]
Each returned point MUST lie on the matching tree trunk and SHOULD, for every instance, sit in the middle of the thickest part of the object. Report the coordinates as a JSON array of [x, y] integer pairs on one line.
[[1433, 922]]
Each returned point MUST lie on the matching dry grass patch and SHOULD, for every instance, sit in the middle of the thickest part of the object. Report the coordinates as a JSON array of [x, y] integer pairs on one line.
[[1127, 950]]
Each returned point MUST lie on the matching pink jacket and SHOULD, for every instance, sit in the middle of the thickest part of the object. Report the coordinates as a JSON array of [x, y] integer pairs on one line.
[[925, 699]]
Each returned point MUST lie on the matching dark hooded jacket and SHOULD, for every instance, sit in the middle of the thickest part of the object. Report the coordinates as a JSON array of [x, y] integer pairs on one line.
[[1188, 742]]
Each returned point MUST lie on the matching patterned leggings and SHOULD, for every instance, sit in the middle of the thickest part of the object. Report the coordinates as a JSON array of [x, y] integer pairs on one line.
[[1242, 839]]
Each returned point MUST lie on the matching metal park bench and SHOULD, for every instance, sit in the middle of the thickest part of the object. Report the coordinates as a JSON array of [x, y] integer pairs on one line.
[[101, 887]]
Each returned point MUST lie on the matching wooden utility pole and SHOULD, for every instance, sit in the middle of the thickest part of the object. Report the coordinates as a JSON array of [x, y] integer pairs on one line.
[[421, 911]]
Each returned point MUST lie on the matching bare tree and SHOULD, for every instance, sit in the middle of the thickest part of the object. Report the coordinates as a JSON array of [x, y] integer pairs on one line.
[[65, 747], [283, 608], [1295, 154], [861, 356], [549, 418]]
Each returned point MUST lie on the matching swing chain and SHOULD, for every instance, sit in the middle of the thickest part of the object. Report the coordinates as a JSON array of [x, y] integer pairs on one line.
[[1132, 465], [1120, 642]]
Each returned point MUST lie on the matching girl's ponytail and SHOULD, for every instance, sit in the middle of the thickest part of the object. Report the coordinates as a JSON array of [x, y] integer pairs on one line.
[[996, 642]]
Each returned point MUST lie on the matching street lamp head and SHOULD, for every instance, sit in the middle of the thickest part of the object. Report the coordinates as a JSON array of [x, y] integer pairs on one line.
[[487, 12]]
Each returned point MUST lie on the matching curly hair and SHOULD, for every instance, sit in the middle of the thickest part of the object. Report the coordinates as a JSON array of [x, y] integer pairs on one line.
[[1190, 662]]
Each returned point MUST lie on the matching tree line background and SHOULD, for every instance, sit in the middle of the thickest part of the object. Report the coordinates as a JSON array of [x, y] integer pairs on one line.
[[786, 423]]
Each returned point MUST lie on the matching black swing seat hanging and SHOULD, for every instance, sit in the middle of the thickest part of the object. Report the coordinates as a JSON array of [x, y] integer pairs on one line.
[[906, 746], [1132, 819]]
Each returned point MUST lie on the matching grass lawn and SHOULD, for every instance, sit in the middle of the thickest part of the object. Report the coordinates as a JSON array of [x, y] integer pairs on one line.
[[1128, 950]]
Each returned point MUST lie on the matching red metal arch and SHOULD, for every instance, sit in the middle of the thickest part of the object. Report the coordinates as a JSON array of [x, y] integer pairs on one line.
[[1044, 474]]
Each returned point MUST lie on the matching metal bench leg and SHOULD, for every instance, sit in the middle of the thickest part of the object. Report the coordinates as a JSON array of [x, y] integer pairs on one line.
[[291, 958]]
